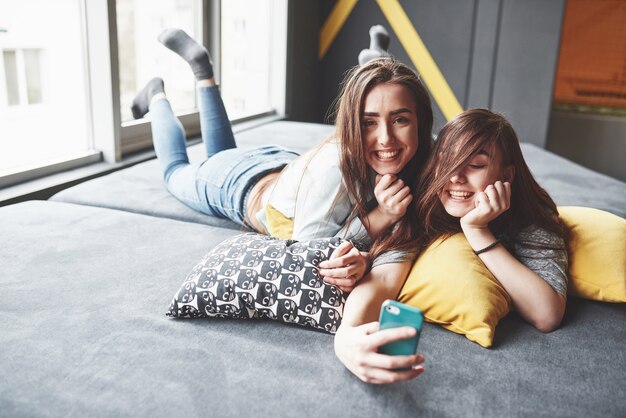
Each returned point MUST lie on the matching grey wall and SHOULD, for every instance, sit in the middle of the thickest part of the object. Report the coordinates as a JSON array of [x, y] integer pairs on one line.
[[595, 141], [525, 65], [303, 69], [499, 54]]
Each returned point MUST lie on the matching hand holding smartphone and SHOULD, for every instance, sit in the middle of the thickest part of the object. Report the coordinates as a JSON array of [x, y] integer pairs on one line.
[[396, 314]]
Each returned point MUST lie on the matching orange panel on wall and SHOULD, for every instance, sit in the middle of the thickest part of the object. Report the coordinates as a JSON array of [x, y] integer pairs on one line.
[[592, 61]]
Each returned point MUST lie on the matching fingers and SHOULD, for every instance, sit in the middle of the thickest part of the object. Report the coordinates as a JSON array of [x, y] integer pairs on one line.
[[339, 273], [369, 328], [342, 282], [393, 195], [481, 201], [489, 204], [390, 335], [506, 194], [407, 199], [343, 255], [389, 184], [384, 181], [492, 194], [357, 348], [337, 258], [346, 270], [384, 361], [384, 376], [342, 249], [499, 196], [382, 368], [352, 267]]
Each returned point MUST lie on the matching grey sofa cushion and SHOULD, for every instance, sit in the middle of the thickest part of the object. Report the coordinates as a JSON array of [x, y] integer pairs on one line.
[[82, 333], [571, 184]]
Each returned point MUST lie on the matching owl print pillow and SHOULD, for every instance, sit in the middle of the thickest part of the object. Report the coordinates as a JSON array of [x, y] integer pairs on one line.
[[257, 276]]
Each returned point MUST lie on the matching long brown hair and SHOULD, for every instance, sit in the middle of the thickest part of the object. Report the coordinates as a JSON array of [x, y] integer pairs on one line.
[[458, 142], [358, 82]]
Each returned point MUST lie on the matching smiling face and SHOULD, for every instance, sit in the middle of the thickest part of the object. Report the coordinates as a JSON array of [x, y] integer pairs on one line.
[[389, 128], [484, 168]]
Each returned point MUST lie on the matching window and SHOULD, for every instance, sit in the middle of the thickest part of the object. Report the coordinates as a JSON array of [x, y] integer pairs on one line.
[[249, 58], [246, 57], [66, 89], [43, 97], [252, 60]]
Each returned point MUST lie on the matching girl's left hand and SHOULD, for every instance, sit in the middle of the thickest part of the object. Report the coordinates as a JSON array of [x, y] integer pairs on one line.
[[345, 267], [495, 200]]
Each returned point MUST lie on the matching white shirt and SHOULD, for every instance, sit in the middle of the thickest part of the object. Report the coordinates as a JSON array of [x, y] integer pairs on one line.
[[311, 191]]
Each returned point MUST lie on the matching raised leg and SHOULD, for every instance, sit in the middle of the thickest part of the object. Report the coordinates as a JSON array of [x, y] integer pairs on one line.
[[217, 134], [168, 137]]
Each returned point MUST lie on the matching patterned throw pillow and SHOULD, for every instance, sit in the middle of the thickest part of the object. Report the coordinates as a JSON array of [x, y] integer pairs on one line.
[[257, 276]]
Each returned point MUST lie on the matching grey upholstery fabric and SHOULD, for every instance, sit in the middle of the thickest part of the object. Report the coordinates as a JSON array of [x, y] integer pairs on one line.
[[140, 188], [571, 184], [83, 332]]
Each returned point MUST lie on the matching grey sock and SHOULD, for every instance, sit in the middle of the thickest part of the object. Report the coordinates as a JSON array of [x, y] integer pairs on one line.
[[195, 54], [379, 38], [379, 45], [141, 102]]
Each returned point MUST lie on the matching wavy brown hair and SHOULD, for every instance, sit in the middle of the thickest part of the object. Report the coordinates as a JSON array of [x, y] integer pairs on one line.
[[358, 82], [458, 142]]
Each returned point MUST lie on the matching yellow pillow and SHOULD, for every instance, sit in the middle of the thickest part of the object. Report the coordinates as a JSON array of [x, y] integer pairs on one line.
[[597, 254], [278, 225], [454, 289]]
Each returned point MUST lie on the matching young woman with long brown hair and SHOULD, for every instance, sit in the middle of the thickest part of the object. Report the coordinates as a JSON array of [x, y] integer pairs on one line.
[[478, 183], [355, 184]]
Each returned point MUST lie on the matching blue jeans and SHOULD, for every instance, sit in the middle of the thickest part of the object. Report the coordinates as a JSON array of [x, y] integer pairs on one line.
[[219, 185]]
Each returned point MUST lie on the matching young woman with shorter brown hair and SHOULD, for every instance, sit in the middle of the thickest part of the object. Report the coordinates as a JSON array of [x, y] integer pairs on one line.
[[478, 183]]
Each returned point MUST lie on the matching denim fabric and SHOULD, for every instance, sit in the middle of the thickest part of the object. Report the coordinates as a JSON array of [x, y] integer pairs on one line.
[[217, 186]]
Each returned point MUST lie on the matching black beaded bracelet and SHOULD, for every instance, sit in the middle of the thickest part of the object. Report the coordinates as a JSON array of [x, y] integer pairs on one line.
[[488, 247]]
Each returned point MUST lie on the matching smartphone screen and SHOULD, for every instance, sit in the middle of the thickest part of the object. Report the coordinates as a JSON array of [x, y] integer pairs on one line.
[[396, 314]]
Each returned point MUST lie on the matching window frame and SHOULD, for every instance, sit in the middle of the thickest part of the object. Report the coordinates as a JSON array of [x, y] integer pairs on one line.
[[34, 171]]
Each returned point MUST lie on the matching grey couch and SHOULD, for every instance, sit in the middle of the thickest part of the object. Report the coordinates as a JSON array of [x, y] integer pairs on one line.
[[87, 278]]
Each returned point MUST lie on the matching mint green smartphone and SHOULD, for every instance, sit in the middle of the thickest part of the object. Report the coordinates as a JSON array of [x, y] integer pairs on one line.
[[397, 314]]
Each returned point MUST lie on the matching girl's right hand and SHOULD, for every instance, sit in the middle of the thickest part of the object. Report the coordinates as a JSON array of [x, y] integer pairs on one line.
[[495, 200], [357, 348], [345, 267], [393, 196]]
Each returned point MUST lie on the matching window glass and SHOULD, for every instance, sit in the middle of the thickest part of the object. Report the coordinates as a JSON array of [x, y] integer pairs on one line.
[[142, 57], [43, 100], [247, 55], [32, 68], [10, 69]]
